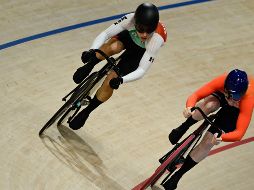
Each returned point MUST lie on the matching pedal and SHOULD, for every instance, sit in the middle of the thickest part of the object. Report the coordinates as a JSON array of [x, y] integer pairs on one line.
[[84, 102], [171, 168], [75, 113], [77, 105], [181, 160], [177, 164], [163, 158]]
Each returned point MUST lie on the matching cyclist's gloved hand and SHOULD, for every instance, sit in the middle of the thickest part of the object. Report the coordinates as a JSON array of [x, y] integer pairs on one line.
[[115, 82], [216, 139], [87, 55], [187, 112]]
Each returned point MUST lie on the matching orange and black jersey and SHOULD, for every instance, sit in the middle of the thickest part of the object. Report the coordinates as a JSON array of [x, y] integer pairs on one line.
[[246, 105]]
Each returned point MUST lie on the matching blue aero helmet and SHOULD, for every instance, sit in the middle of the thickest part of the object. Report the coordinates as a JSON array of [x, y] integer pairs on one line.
[[236, 84]]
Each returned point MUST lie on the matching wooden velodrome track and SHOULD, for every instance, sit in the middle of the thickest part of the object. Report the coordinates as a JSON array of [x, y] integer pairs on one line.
[[123, 139]]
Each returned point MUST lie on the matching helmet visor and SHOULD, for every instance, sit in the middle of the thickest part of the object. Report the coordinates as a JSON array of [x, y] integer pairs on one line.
[[144, 29], [232, 95]]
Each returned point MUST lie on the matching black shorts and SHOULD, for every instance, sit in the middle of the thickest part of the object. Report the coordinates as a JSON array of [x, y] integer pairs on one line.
[[226, 117], [132, 55]]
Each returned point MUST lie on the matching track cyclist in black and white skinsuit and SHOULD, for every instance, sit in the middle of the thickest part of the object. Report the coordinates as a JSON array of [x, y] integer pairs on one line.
[[141, 35]]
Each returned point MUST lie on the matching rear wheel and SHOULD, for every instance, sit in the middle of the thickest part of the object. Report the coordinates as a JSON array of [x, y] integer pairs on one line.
[[78, 95]]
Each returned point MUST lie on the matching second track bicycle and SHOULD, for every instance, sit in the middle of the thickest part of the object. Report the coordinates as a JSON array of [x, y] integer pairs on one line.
[[174, 159]]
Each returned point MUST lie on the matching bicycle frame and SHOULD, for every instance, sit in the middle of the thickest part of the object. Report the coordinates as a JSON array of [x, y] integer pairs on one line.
[[81, 92], [111, 63], [173, 155]]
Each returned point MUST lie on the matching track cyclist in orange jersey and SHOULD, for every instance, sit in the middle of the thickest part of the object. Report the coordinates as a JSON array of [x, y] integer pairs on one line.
[[141, 35], [233, 93]]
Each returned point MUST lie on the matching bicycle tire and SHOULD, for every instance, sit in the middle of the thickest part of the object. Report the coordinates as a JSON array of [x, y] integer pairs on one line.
[[64, 116], [91, 80], [85, 88], [55, 117]]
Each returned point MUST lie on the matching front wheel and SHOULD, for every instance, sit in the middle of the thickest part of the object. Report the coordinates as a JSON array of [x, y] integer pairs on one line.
[[55, 117], [79, 94]]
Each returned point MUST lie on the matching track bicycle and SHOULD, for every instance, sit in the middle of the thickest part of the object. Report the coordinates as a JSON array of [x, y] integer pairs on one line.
[[80, 95], [174, 159]]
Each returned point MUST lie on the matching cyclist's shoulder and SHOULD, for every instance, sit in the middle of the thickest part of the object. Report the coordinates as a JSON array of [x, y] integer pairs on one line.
[[250, 90], [162, 31], [129, 17], [126, 21], [251, 79], [218, 79]]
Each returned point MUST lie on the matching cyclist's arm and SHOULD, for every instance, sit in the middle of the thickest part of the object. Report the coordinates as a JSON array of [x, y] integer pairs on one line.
[[120, 25], [243, 121], [146, 61], [216, 84]]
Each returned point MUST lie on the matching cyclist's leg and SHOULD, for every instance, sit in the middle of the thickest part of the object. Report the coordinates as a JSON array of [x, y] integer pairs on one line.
[[111, 47], [208, 105], [226, 121], [105, 91], [128, 63], [102, 95], [203, 148], [197, 154], [172, 182]]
